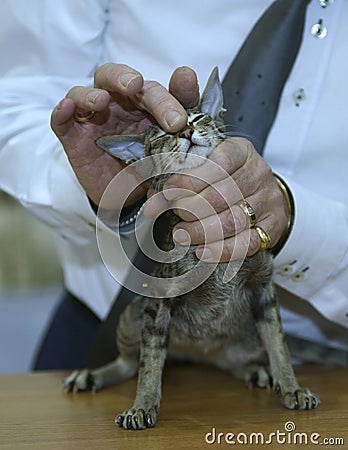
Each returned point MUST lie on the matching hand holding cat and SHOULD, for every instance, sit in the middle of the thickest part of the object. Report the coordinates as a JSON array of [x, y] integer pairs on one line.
[[122, 103], [245, 176]]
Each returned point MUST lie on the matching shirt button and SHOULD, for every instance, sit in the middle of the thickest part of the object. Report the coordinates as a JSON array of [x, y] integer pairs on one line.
[[299, 96], [298, 277], [318, 30], [286, 270], [325, 3]]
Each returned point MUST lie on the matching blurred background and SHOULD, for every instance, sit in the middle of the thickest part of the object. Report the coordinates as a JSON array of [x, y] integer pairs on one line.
[[30, 284]]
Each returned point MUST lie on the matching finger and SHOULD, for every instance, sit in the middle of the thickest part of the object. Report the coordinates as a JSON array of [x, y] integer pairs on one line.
[[219, 196], [149, 96], [224, 160], [118, 78], [259, 239], [163, 106], [210, 229], [62, 117], [231, 249], [184, 87], [246, 243], [88, 99]]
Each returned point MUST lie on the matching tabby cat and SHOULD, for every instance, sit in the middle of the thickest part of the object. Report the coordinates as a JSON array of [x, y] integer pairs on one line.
[[235, 326]]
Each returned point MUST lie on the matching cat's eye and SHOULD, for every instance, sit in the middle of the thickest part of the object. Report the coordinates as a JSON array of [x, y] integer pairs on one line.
[[157, 138], [197, 118]]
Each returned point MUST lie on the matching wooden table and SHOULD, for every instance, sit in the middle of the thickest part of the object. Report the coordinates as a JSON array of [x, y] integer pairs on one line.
[[36, 414]]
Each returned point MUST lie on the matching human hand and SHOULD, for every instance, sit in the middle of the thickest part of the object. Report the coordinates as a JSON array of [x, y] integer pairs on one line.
[[246, 176], [123, 103]]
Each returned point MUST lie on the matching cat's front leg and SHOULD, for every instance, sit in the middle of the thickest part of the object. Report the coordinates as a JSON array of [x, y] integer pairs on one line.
[[269, 326], [154, 342]]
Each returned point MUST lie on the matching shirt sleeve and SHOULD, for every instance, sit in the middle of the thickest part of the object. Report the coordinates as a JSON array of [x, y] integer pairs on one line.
[[45, 51], [34, 77], [313, 264]]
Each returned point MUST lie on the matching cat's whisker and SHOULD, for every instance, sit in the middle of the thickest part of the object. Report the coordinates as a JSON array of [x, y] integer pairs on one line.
[[234, 134], [235, 130]]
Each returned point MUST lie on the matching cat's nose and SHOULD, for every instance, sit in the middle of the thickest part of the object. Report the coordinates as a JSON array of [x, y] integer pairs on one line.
[[186, 133]]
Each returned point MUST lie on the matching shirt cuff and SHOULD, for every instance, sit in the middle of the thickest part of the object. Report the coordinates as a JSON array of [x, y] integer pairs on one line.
[[121, 222], [316, 245]]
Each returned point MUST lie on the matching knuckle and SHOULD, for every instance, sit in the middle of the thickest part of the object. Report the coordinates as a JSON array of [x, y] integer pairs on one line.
[[75, 92], [105, 71], [155, 99], [154, 93], [150, 85], [188, 182], [197, 231], [243, 146], [82, 96], [224, 156], [216, 199], [229, 221], [195, 184], [108, 76], [100, 71], [243, 143], [240, 219], [265, 170]]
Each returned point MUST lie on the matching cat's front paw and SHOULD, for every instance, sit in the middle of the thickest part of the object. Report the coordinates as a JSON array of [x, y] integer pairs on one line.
[[137, 419], [81, 380], [301, 398]]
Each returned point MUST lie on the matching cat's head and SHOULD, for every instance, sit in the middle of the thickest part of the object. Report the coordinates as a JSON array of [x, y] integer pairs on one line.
[[203, 132]]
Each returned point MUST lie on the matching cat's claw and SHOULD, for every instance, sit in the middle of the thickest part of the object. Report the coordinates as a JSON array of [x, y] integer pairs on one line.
[[80, 380], [301, 398], [136, 419]]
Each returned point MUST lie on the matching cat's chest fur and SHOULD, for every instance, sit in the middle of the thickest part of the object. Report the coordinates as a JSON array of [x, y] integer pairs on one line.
[[216, 307]]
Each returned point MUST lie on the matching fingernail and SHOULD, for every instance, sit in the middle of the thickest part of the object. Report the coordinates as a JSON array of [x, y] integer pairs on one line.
[[172, 118], [92, 96], [182, 237], [127, 78], [204, 254]]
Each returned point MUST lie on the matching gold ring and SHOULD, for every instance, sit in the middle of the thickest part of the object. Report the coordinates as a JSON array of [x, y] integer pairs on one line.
[[82, 119], [265, 239], [249, 212]]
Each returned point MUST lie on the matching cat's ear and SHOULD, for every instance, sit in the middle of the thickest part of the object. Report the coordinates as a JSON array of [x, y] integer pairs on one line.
[[211, 102], [128, 148]]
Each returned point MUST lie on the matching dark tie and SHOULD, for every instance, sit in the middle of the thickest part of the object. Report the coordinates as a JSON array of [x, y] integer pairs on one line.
[[254, 82], [252, 88]]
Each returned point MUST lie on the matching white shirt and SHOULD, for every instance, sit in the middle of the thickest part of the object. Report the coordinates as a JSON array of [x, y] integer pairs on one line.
[[47, 47]]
